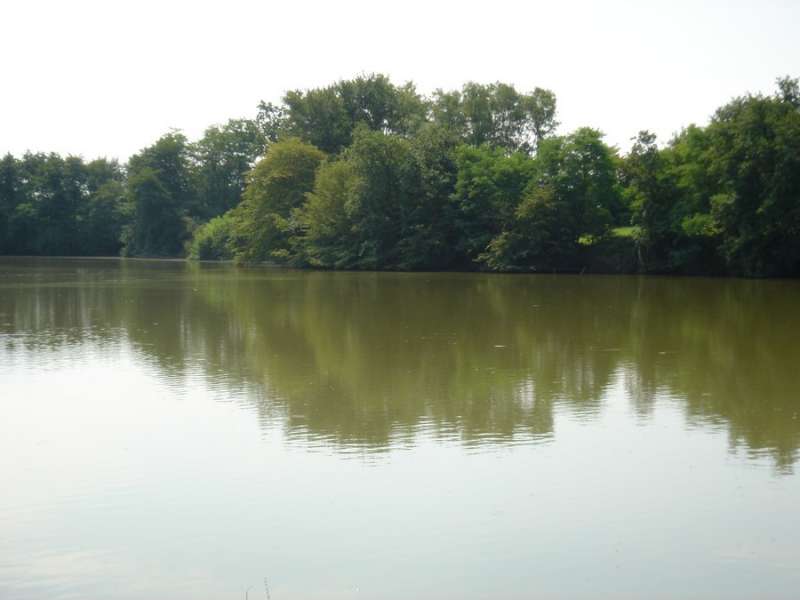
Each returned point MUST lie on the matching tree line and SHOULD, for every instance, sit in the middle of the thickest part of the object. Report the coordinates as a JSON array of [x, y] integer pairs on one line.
[[366, 174]]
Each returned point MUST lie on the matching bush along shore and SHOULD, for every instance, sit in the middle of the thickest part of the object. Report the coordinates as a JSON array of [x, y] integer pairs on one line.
[[367, 174]]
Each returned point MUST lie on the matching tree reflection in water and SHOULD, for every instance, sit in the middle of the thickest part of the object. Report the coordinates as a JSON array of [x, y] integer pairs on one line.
[[365, 360]]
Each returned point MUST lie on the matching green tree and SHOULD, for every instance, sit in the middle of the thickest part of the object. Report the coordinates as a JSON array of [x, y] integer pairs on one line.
[[101, 216], [755, 143], [388, 177], [48, 205], [214, 240], [23, 194], [44, 192], [383, 204], [57, 194], [568, 205], [669, 194], [429, 239], [224, 155], [488, 189], [327, 117], [497, 114], [651, 193], [10, 197], [157, 226], [327, 219], [163, 197], [272, 121], [278, 184]]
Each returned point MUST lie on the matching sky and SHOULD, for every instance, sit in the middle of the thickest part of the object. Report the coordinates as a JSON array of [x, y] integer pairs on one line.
[[108, 77]]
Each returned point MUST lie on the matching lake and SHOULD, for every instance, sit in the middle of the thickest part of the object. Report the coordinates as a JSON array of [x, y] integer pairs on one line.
[[192, 431]]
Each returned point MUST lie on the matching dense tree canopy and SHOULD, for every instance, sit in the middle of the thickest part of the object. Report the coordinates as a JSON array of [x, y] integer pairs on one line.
[[368, 174], [161, 198], [264, 223], [327, 117], [572, 200], [497, 114], [60, 206], [724, 198], [223, 157], [755, 145]]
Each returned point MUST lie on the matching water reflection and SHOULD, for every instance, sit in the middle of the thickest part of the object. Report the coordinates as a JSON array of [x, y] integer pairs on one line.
[[370, 361]]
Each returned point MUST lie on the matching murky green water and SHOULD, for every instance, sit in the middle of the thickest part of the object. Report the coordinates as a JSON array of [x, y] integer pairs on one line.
[[188, 432]]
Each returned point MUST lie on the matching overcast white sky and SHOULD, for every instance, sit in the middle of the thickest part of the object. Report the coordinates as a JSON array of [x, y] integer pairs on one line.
[[107, 77]]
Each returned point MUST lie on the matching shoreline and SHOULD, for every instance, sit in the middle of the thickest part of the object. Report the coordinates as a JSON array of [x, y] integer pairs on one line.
[[278, 267]]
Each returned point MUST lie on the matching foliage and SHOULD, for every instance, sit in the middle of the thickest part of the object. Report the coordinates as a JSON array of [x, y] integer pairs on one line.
[[497, 114], [488, 188], [223, 157], [755, 146], [327, 117], [60, 206], [383, 204], [101, 214], [429, 239], [161, 195], [264, 222], [372, 189], [214, 240], [329, 238], [725, 198], [669, 194], [569, 203], [367, 174]]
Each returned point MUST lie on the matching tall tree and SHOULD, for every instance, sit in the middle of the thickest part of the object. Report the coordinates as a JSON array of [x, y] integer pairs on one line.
[[224, 155], [47, 206], [9, 199], [383, 204], [568, 204], [264, 221], [756, 159], [488, 188], [327, 117], [669, 192], [163, 197], [101, 216], [497, 114], [329, 237], [389, 177]]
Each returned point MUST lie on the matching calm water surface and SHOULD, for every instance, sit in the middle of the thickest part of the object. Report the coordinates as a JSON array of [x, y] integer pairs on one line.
[[187, 432]]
